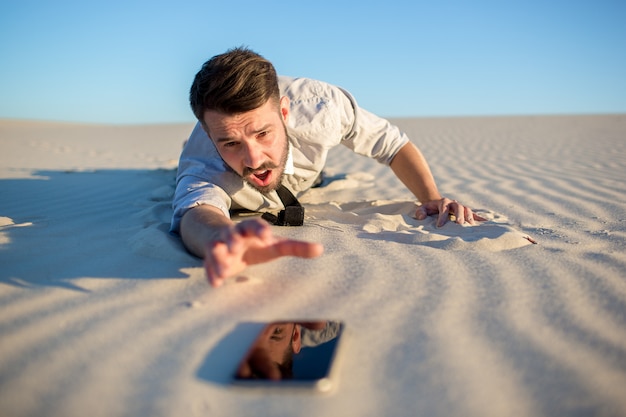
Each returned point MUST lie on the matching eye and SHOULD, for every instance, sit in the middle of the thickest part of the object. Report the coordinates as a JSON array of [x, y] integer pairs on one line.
[[229, 144], [278, 334]]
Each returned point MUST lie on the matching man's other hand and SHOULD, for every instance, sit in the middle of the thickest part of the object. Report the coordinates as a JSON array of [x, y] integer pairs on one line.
[[446, 207]]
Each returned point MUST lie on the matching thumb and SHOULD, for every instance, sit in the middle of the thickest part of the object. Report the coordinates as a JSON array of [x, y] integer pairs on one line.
[[420, 213]]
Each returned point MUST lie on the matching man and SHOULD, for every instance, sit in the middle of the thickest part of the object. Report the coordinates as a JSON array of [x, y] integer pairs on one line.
[[257, 131], [272, 354]]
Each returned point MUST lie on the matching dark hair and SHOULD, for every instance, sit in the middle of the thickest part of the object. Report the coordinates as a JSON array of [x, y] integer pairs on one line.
[[236, 81]]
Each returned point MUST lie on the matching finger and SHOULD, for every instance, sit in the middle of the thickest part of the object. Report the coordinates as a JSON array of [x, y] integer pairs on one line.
[[444, 212], [479, 218], [236, 245], [214, 279], [214, 268], [459, 211], [244, 370], [208, 262], [471, 217], [421, 213], [431, 207], [468, 215], [297, 248], [254, 227]]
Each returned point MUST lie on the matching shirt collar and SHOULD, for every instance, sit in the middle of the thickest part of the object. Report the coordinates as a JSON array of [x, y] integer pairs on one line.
[[289, 169]]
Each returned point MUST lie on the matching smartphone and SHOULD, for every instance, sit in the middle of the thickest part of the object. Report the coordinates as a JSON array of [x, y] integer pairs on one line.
[[292, 354]]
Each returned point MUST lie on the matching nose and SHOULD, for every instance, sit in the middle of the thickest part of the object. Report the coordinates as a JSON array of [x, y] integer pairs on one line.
[[253, 155]]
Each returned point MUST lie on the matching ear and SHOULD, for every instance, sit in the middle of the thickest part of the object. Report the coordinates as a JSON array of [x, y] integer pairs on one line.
[[296, 340], [284, 108]]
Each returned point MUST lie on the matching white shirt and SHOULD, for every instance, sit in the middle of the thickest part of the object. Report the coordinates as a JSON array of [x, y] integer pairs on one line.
[[321, 116]]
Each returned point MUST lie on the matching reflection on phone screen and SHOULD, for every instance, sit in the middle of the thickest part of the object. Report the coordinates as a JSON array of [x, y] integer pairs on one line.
[[295, 353]]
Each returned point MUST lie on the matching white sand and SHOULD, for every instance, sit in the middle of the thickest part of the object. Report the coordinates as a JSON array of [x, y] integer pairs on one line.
[[102, 313]]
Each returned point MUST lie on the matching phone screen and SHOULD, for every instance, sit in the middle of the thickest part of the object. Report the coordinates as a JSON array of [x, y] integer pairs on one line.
[[292, 354]]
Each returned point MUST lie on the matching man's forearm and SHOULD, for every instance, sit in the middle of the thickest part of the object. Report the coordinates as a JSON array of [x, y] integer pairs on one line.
[[201, 225], [411, 168]]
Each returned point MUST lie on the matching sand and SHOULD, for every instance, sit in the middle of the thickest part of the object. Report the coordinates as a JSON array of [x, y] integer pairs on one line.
[[103, 313]]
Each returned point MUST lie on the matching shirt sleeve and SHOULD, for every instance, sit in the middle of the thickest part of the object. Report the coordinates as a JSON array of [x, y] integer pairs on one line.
[[367, 134], [198, 163]]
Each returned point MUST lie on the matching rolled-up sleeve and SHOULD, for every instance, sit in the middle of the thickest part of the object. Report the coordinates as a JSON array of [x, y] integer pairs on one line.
[[193, 191], [198, 167]]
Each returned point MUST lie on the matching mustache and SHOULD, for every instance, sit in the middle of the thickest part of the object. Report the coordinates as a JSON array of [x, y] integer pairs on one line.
[[263, 167]]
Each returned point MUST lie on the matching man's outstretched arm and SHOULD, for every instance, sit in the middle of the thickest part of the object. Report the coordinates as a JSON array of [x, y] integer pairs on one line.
[[201, 225], [228, 247], [411, 168]]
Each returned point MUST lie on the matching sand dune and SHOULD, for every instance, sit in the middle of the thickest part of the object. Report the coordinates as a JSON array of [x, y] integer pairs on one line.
[[102, 312]]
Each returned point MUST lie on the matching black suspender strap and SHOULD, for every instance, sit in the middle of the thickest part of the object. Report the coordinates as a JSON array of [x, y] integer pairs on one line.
[[292, 215]]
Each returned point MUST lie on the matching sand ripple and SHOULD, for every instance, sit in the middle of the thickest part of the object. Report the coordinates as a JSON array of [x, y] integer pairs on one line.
[[103, 313]]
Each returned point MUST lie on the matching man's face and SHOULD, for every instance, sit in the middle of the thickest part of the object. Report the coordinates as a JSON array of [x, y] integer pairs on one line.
[[271, 351], [254, 144], [278, 337]]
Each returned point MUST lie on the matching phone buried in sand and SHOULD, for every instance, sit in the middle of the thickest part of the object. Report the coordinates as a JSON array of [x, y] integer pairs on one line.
[[292, 354]]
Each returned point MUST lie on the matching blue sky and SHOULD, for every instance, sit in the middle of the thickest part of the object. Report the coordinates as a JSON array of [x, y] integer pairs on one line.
[[133, 61]]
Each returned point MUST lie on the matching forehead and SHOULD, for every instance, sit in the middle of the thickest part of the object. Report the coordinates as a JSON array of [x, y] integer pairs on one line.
[[219, 123]]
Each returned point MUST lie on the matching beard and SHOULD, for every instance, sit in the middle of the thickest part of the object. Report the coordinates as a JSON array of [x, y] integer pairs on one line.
[[277, 169]]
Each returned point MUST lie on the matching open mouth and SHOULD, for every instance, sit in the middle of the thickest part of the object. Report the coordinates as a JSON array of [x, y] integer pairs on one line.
[[262, 175], [261, 178], [264, 178]]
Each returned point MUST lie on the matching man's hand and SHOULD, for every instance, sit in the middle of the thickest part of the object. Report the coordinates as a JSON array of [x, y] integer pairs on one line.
[[411, 168], [259, 364], [444, 207], [247, 243]]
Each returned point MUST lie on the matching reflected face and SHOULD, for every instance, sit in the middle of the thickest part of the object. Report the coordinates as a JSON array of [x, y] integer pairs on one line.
[[271, 355], [254, 143], [279, 338]]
